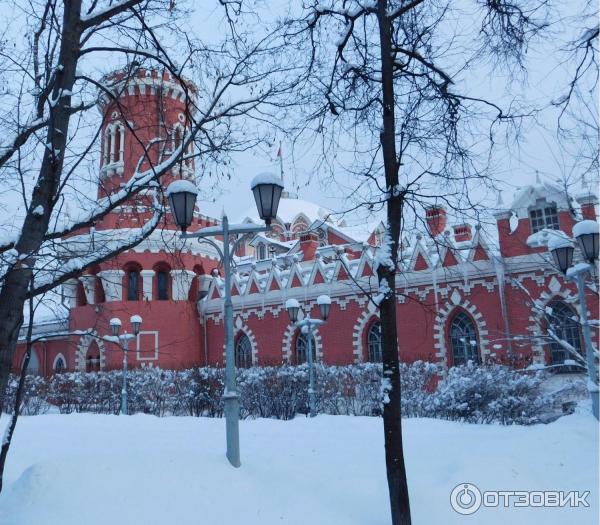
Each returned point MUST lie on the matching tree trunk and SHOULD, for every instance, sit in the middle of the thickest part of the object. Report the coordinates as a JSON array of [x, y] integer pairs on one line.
[[392, 422], [10, 429], [17, 279]]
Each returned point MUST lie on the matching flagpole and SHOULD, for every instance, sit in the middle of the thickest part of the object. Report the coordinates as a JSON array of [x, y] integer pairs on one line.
[[280, 155]]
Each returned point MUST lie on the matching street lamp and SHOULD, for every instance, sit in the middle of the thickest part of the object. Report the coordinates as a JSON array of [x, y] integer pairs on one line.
[[182, 200], [561, 248], [267, 191], [115, 326], [587, 234], [306, 326]]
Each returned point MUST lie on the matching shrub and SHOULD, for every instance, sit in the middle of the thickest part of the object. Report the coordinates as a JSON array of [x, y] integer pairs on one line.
[[477, 394], [486, 394]]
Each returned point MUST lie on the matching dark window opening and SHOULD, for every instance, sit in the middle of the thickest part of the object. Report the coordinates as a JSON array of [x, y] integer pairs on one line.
[[302, 349], [243, 352], [566, 328], [544, 216], [133, 285], [374, 343], [162, 284], [463, 339]]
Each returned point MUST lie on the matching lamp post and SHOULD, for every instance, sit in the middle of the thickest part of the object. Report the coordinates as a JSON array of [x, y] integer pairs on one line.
[[306, 325], [267, 189], [561, 247], [115, 326]]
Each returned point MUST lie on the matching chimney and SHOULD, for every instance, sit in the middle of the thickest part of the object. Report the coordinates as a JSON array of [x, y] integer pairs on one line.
[[309, 242], [462, 232], [436, 220], [588, 202]]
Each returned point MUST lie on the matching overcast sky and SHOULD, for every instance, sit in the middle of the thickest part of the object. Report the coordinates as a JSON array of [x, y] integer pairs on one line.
[[538, 149], [515, 164]]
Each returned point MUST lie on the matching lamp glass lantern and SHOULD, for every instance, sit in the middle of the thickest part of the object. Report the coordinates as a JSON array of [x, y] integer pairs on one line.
[[588, 237], [562, 250], [182, 196], [136, 322], [324, 302], [267, 189], [115, 326], [293, 308]]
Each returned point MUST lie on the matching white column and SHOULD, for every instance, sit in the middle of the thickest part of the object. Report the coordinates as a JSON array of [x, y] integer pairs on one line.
[[106, 145], [121, 142], [147, 278], [89, 287], [182, 280], [112, 282], [113, 143], [69, 289]]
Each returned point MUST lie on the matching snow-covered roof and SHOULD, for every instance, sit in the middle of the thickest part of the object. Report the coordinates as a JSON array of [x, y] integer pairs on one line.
[[290, 209], [527, 196], [260, 237]]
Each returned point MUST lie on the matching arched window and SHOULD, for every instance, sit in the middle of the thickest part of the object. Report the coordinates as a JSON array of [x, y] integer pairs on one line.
[[162, 285], [99, 296], [178, 135], [566, 328], [114, 142], [92, 358], [302, 348], [33, 368], [60, 365], [133, 284], [322, 234], [463, 340], [299, 227], [243, 352], [374, 343], [261, 252], [81, 298]]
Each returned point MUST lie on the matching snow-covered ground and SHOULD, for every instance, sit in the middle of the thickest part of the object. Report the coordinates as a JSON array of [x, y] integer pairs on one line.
[[91, 469]]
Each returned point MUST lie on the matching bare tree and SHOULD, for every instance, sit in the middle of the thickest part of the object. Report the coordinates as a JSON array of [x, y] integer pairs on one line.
[[49, 157], [578, 129], [10, 428], [392, 95]]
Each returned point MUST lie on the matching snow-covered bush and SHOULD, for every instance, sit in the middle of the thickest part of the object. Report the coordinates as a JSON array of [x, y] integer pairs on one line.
[[486, 394], [417, 381], [478, 394], [34, 400], [198, 392], [85, 392]]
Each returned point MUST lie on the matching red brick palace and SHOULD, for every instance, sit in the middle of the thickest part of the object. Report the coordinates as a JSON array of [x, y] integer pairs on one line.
[[460, 295]]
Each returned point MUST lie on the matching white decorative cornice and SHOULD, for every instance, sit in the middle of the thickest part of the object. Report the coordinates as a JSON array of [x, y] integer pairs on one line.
[[182, 281], [112, 282], [89, 287]]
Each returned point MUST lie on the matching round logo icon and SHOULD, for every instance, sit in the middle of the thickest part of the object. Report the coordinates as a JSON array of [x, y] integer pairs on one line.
[[465, 498]]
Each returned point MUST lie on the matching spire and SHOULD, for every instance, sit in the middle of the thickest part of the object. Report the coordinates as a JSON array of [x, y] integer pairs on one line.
[[537, 177], [286, 194], [500, 201], [280, 157]]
